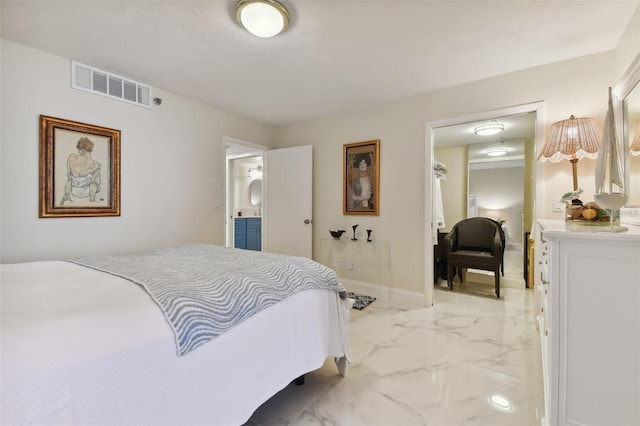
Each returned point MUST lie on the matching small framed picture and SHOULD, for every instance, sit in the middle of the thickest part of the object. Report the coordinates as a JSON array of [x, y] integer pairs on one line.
[[79, 169], [361, 181]]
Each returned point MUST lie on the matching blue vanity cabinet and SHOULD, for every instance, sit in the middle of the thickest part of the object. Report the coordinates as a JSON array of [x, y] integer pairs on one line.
[[254, 233], [248, 233], [240, 233]]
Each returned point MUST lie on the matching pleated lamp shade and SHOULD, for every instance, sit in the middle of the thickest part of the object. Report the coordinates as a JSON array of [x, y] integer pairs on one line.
[[572, 139]]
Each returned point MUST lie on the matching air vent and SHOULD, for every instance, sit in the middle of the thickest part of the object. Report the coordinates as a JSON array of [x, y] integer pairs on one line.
[[94, 80]]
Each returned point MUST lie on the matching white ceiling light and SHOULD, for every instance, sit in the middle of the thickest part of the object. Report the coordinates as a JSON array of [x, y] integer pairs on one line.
[[263, 18], [501, 402], [489, 129], [496, 152]]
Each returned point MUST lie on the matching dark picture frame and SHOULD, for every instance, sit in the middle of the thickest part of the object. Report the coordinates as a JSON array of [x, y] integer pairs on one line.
[[79, 169], [361, 178]]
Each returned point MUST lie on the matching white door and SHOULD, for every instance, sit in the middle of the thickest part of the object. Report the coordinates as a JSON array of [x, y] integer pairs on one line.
[[287, 227]]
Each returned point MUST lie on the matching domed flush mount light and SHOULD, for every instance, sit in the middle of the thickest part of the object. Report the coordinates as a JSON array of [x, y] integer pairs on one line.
[[496, 152], [262, 18], [501, 402], [489, 129]]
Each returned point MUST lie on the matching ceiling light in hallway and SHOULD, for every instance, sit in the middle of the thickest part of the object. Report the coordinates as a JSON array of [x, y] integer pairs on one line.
[[489, 129]]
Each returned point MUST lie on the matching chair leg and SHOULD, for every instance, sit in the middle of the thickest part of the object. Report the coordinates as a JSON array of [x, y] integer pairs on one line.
[[497, 279], [449, 275]]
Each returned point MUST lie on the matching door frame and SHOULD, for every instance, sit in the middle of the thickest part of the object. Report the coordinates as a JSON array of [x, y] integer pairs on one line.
[[537, 107]]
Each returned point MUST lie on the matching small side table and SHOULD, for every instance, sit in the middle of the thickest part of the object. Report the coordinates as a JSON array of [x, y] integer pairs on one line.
[[359, 262]]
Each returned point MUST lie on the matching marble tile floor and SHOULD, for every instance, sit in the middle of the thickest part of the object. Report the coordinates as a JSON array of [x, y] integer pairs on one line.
[[471, 359], [513, 271]]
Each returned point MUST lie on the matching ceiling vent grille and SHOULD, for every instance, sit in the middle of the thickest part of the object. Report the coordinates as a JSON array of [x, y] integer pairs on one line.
[[104, 83]]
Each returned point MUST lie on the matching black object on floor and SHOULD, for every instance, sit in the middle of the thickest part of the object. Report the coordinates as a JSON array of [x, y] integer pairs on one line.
[[362, 301]]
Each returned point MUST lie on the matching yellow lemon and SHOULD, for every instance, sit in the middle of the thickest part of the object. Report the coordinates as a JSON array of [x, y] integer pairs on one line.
[[589, 214]]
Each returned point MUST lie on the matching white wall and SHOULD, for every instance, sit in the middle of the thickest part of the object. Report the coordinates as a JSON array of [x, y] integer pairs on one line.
[[577, 87], [629, 45], [242, 182], [454, 186], [172, 161], [172, 158], [501, 190]]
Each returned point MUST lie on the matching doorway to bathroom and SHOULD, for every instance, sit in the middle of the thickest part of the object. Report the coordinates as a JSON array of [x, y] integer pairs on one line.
[[244, 194]]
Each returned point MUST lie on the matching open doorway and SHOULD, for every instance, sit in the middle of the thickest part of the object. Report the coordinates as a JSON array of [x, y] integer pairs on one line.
[[286, 207], [489, 172], [462, 158], [244, 194]]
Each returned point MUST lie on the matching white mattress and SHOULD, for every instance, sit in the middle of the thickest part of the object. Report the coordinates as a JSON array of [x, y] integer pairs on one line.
[[84, 347]]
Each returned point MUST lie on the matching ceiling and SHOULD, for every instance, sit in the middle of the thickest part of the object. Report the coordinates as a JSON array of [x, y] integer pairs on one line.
[[336, 56], [237, 151], [518, 128]]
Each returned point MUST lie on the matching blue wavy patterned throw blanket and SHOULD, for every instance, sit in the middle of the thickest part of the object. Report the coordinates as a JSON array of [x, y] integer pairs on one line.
[[205, 290]]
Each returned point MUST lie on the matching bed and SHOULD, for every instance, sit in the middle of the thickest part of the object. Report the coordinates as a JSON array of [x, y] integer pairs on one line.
[[83, 346]]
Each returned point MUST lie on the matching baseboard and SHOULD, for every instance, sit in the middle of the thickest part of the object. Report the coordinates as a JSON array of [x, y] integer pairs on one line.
[[384, 294], [479, 277]]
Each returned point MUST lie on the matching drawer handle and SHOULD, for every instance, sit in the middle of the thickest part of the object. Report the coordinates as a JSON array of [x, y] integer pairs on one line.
[[546, 332]]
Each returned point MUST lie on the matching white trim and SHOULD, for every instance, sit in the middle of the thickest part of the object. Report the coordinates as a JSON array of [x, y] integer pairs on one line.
[[536, 107], [235, 141], [504, 164], [629, 80], [384, 294], [227, 196]]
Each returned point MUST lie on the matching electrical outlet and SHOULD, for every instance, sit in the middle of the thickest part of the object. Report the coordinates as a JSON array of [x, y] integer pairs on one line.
[[557, 206], [352, 265]]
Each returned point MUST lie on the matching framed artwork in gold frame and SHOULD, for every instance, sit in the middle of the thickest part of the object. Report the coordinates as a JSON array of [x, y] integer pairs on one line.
[[79, 169], [361, 178]]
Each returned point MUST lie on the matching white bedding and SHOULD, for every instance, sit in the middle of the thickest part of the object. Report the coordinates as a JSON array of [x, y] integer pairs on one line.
[[79, 346]]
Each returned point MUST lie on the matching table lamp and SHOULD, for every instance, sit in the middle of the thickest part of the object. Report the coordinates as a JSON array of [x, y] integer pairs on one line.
[[571, 139]]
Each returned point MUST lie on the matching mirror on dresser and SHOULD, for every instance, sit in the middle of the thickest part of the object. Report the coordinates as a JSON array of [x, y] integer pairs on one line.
[[628, 125], [632, 116], [487, 177]]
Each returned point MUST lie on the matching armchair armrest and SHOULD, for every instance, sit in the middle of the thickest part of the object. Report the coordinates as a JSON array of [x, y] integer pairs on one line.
[[497, 246], [450, 241]]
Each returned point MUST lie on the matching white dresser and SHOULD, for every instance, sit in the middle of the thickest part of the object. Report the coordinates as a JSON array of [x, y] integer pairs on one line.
[[588, 294]]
